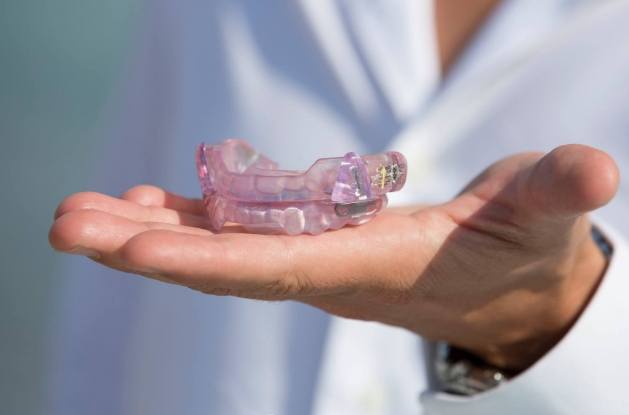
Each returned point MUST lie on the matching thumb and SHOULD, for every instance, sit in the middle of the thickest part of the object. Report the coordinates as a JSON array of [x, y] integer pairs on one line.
[[569, 181]]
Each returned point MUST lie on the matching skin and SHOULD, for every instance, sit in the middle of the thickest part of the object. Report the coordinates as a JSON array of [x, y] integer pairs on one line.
[[502, 270], [455, 24]]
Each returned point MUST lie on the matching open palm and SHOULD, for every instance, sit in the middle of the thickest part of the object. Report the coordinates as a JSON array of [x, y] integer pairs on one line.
[[493, 263]]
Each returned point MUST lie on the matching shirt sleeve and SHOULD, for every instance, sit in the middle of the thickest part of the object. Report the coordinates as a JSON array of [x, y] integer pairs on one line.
[[585, 373]]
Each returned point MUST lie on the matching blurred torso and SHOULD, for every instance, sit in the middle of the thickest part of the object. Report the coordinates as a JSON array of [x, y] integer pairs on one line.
[[301, 80]]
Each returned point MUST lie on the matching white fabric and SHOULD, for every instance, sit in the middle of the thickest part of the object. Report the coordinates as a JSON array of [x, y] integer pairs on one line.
[[310, 78]]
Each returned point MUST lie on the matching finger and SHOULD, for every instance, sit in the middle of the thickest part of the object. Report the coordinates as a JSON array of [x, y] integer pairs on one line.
[[101, 234], [148, 195], [129, 210], [209, 264], [273, 267], [531, 188], [569, 181]]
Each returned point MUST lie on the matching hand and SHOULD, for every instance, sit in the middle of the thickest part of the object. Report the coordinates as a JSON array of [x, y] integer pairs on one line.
[[502, 270]]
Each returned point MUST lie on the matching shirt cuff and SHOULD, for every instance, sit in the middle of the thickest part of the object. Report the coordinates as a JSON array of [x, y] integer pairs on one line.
[[585, 373]]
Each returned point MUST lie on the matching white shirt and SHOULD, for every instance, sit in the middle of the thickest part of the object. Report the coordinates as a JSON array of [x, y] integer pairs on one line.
[[310, 78]]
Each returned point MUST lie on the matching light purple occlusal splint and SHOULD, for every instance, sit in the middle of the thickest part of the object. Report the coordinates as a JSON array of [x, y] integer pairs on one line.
[[242, 186]]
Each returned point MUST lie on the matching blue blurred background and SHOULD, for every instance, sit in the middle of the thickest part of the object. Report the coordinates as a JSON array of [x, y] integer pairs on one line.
[[59, 64]]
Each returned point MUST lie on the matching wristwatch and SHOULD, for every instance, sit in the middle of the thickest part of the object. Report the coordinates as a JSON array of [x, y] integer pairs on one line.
[[462, 373]]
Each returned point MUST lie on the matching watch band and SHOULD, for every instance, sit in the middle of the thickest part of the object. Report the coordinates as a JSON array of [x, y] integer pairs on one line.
[[461, 373]]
